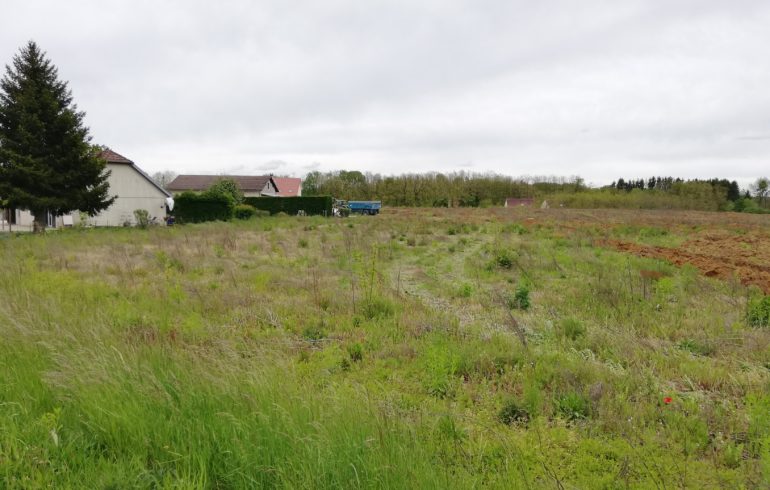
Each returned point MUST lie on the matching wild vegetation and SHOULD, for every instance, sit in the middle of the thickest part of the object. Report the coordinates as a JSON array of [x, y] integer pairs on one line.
[[418, 349], [484, 190]]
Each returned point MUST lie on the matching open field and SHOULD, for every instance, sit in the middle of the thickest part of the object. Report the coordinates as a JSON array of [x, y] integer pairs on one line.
[[506, 348]]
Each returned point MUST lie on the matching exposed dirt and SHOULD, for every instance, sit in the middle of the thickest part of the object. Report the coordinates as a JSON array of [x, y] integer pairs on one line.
[[716, 253]]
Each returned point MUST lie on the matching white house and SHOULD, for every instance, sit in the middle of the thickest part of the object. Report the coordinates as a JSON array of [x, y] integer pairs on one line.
[[133, 188]]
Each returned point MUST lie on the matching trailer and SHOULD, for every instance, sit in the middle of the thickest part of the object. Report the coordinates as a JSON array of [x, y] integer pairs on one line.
[[344, 208], [365, 207]]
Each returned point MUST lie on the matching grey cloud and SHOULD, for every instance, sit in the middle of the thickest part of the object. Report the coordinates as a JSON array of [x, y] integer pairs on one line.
[[595, 88]]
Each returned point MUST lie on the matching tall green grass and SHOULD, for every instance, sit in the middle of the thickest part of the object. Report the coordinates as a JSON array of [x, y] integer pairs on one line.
[[312, 353]]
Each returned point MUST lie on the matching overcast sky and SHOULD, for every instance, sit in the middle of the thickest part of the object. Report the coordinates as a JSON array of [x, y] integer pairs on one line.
[[594, 88]]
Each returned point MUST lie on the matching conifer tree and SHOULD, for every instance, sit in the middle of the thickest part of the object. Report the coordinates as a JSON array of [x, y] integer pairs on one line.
[[47, 163]]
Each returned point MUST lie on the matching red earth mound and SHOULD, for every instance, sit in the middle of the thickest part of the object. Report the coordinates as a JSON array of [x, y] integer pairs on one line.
[[717, 254]]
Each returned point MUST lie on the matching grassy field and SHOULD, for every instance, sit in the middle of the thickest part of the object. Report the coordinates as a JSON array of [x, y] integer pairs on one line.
[[415, 349]]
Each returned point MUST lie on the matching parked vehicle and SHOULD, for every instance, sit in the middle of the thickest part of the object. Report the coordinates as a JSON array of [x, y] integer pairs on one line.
[[340, 208], [365, 207]]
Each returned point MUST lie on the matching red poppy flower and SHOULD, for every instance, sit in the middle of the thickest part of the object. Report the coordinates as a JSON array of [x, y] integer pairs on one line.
[[667, 400]]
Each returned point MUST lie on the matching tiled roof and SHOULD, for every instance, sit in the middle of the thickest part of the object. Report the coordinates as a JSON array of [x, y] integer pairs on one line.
[[287, 186], [247, 183], [113, 157]]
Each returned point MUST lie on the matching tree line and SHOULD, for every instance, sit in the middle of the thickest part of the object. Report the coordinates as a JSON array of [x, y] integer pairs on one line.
[[463, 189], [434, 189]]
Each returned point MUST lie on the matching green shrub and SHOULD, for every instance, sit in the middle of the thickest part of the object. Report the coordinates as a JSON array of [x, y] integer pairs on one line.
[[512, 413], [314, 205], [190, 207], [520, 299], [503, 259], [244, 211], [356, 352], [142, 217], [314, 333], [229, 188], [759, 313], [573, 406]]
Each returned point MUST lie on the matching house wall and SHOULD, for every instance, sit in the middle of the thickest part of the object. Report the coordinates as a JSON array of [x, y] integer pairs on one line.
[[134, 192], [269, 189]]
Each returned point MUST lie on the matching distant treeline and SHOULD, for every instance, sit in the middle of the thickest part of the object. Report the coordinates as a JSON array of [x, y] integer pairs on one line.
[[677, 186], [458, 189], [463, 189]]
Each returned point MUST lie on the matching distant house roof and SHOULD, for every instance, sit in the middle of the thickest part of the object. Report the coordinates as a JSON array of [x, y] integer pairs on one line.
[[247, 183], [288, 186], [115, 157], [518, 201]]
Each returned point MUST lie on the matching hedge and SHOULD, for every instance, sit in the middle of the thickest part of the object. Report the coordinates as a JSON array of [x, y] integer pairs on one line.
[[190, 207], [315, 205]]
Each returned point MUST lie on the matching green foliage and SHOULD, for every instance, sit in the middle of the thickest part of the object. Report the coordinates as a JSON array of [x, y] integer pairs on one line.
[[47, 163], [504, 259], [520, 299], [377, 307], [244, 211], [142, 218], [513, 413], [175, 359], [356, 352], [318, 205], [573, 406], [572, 328], [465, 291], [314, 332], [190, 207], [698, 348], [759, 312], [229, 188]]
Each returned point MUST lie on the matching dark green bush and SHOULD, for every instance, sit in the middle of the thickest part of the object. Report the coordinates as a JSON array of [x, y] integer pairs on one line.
[[228, 187], [520, 299], [512, 413], [503, 259], [244, 211], [316, 205], [190, 207]]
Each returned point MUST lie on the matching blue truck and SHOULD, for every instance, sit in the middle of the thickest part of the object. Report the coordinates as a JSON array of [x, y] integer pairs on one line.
[[343, 208], [365, 207]]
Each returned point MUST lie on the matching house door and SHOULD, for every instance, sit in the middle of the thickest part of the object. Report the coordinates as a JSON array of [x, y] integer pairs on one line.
[[11, 216]]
